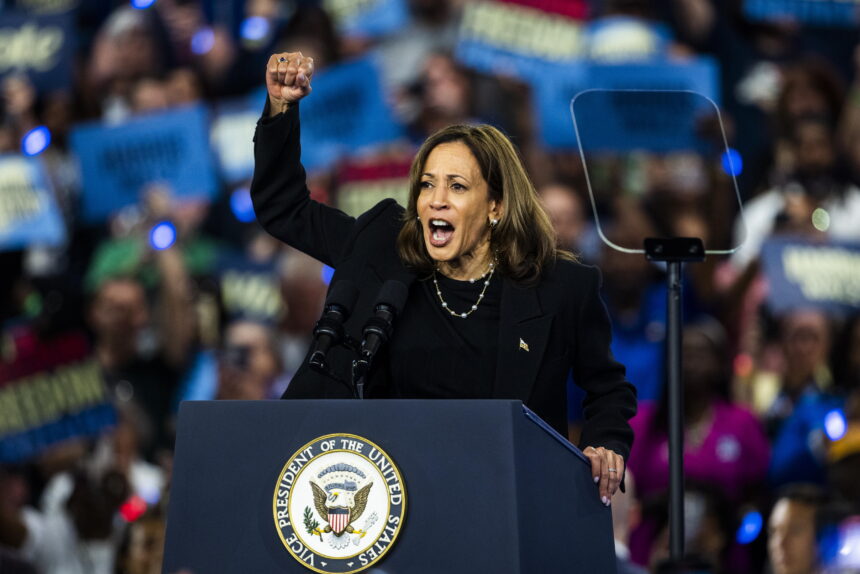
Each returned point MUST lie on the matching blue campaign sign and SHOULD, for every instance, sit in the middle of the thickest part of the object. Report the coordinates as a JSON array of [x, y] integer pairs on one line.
[[626, 122], [368, 18], [119, 161], [42, 47], [801, 274], [50, 391], [834, 13], [28, 211], [249, 290], [346, 112], [232, 134]]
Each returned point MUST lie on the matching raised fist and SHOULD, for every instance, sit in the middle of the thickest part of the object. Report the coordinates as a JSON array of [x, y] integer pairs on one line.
[[288, 79]]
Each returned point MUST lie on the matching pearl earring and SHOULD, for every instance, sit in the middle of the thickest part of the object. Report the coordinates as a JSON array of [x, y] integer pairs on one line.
[[494, 222]]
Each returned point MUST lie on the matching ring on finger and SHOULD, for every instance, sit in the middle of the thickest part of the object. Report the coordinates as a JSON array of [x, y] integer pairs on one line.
[[282, 59], [612, 469]]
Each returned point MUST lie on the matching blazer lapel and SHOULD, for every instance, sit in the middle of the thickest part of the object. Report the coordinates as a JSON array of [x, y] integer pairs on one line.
[[523, 335]]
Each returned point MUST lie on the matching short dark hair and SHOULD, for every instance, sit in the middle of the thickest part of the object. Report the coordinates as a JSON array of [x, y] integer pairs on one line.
[[804, 493]]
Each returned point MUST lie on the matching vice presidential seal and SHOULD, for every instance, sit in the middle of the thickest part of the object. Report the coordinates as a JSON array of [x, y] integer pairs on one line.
[[339, 504]]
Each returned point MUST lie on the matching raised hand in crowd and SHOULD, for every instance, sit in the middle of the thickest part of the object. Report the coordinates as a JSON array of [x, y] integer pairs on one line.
[[288, 79]]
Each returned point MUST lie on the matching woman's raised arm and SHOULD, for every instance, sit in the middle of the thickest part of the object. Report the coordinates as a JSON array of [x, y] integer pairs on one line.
[[279, 190]]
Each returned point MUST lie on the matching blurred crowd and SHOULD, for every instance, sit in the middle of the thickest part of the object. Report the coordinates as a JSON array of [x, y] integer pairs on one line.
[[772, 399]]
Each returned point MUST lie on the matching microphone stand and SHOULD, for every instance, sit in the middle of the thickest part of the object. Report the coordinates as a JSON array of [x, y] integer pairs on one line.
[[360, 367], [674, 252]]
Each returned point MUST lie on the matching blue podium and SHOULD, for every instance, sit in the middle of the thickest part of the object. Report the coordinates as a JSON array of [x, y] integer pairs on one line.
[[461, 486]]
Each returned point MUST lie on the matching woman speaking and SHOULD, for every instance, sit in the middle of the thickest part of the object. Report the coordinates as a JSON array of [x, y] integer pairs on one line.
[[493, 308]]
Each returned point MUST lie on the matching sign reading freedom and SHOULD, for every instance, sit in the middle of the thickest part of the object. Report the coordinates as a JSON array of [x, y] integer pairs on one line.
[[510, 37], [802, 274], [118, 162], [51, 392], [42, 47], [28, 211]]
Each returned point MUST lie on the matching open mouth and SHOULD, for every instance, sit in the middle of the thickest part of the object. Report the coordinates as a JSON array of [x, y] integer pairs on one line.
[[441, 232]]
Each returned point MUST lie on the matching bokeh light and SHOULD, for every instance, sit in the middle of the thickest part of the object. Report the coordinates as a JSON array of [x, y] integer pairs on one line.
[[142, 4], [821, 219], [242, 206], [327, 274], [133, 508], [835, 424], [750, 528], [733, 163], [255, 28], [36, 141], [162, 236], [202, 41]]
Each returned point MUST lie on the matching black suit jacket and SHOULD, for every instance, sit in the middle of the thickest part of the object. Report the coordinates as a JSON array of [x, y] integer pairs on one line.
[[561, 319]]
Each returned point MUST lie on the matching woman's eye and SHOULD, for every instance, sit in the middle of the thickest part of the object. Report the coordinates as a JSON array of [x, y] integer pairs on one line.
[[458, 187], [425, 185]]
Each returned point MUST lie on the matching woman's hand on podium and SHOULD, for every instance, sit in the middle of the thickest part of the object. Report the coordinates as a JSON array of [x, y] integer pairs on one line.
[[607, 468], [288, 79]]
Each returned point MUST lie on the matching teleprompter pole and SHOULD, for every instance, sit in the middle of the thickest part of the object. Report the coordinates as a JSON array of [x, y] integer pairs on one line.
[[674, 252]]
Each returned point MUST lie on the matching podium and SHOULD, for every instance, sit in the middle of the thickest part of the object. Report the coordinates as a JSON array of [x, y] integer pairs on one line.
[[488, 487]]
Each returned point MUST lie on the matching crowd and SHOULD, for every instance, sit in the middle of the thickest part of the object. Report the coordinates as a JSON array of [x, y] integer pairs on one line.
[[220, 310]]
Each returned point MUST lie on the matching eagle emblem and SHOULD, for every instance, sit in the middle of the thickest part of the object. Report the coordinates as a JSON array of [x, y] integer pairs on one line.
[[340, 499]]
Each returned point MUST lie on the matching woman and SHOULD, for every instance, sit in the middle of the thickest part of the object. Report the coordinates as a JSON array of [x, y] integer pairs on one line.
[[725, 447], [493, 309]]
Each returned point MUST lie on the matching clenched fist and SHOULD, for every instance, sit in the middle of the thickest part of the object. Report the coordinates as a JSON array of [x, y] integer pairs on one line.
[[288, 79]]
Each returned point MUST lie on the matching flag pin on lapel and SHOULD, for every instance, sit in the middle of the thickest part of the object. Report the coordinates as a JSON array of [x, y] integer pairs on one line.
[[524, 346]]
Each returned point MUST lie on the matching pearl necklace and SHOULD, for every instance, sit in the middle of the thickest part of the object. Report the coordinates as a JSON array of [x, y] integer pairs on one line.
[[488, 274]]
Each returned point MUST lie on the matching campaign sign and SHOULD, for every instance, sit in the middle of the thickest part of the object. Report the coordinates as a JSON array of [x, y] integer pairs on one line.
[[512, 39], [368, 18], [618, 39], [363, 185], [44, 6], [346, 113], [51, 392], [249, 290], [628, 123], [833, 13], [42, 47], [232, 134], [803, 274], [118, 161], [28, 211]]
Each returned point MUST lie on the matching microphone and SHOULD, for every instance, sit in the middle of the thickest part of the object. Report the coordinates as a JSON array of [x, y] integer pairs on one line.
[[377, 330], [328, 332]]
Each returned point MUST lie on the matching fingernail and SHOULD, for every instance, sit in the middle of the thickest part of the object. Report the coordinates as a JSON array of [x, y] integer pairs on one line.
[[302, 77], [605, 501], [596, 479]]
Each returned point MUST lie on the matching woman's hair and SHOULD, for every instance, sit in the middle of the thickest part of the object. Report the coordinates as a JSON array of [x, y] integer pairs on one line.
[[524, 239]]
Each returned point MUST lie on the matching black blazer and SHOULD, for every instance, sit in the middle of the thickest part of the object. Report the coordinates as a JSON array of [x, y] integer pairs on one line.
[[562, 319]]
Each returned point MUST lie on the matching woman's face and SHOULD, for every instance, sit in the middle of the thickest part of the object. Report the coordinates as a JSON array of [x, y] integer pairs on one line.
[[455, 207]]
